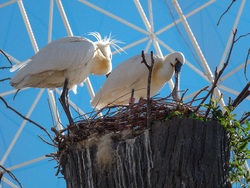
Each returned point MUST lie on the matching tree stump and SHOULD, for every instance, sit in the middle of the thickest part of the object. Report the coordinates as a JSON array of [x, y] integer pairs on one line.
[[177, 153]]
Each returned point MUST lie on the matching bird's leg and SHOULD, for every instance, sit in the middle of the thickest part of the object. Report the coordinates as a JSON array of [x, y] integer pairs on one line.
[[176, 89], [64, 102]]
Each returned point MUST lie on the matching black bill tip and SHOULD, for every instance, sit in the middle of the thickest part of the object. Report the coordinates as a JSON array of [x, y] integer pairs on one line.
[[177, 66]]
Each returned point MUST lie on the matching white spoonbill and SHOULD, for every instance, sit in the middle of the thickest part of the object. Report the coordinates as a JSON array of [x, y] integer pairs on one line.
[[132, 74], [65, 63]]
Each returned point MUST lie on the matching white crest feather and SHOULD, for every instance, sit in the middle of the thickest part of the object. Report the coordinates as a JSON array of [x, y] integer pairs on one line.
[[108, 41]]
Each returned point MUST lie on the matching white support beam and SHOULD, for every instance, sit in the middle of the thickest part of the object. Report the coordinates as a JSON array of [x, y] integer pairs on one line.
[[7, 3], [233, 71], [193, 41], [143, 15], [64, 18], [187, 16], [27, 163], [148, 46], [21, 127], [114, 16], [150, 11], [229, 42], [27, 25], [198, 50], [10, 92], [50, 26], [133, 44], [186, 63], [73, 105], [54, 109], [9, 183]]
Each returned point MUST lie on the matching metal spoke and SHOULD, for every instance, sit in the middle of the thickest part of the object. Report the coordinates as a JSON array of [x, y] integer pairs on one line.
[[21, 127]]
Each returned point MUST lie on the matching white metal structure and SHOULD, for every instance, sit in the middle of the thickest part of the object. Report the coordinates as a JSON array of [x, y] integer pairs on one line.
[[162, 26]]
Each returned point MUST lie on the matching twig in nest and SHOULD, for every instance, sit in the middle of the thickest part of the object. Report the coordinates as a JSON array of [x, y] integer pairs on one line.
[[29, 120], [10, 174], [46, 141], [182, 96], [219, 74], [6, 56], [233, 1]]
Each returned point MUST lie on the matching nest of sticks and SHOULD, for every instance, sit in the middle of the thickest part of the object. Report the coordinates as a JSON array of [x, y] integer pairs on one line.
[[135, 117]]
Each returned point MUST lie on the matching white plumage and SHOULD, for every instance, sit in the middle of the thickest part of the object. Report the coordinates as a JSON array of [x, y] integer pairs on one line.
[[132, 74], [72, 58], [66, 62]]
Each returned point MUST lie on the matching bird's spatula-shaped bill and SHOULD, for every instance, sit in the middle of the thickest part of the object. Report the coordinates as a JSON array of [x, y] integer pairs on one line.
[[176, 89]]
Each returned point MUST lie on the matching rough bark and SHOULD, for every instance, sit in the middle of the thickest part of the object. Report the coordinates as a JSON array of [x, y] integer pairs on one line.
[[177, 153]]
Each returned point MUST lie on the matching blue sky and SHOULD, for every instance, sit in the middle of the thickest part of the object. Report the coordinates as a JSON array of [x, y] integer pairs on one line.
[[128, 26]]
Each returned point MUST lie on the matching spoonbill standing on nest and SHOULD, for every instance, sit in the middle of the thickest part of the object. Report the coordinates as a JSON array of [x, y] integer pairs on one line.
[[65, 63], [132, 74]]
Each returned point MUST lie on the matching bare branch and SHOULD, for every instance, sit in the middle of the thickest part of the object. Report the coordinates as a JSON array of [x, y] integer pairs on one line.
[[243, 94], [245, 117], [29, 120], [184, 93], [149, 112], [242, 36], [220, 72], [233, 1], [6, 56], [144, 60], [2, 80], [5, 68], [10, 174], [245, 67], [197, 94]]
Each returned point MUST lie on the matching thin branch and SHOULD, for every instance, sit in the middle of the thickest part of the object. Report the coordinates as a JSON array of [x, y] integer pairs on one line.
[[184, 93], [5, 68], [144, 60], [243, 94], [233, 1], [10, 174], [242, 36], [29, 120], [219, 74], [46, 141], [2, 80], [6, 56], [244, 117], [211, 95], [245, 67], [197, 94], [150, 68], [149, 111], [181, 35]]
